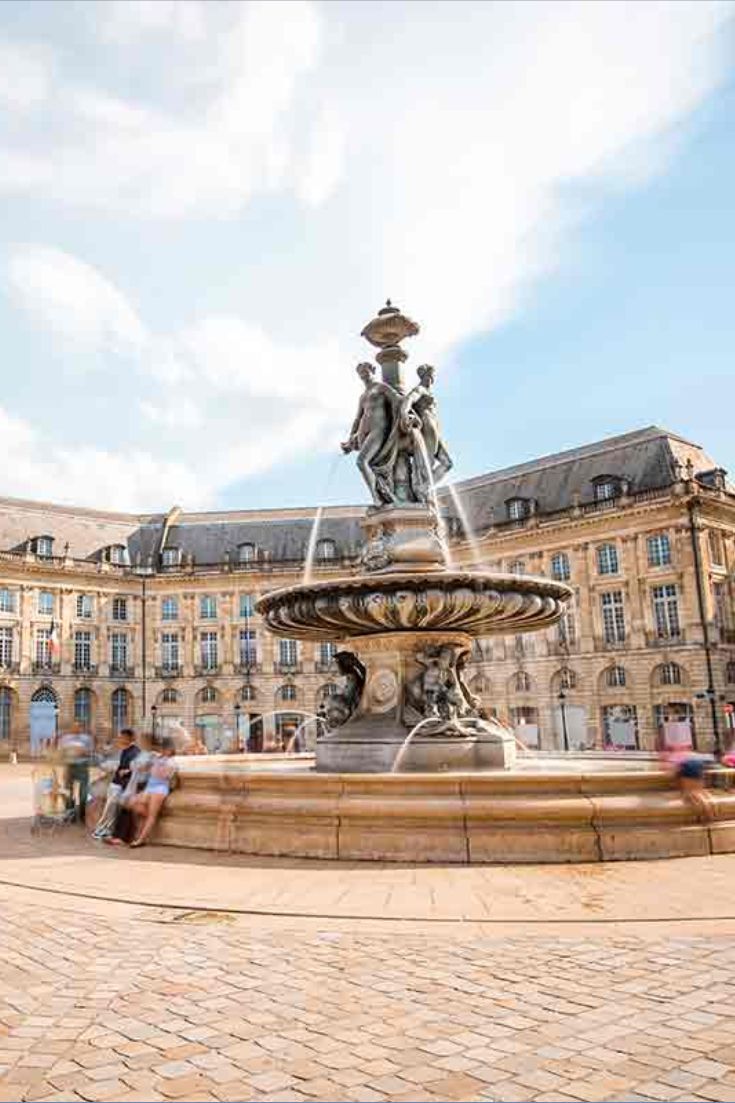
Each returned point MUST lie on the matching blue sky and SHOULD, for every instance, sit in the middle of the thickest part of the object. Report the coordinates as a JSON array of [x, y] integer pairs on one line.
[[202, 204]]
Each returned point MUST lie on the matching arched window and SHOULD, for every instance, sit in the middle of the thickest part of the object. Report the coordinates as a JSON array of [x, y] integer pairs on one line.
[[287, 693], [169, 696], [326, 549], [669, 674], [607, 559], [730, 673], [6, 712], [567, 679], [247, 693], [208, 695], [615, 676], [246, 553], [522, 682], [560, 570], [83, 707], [120, 703], [45, 694]]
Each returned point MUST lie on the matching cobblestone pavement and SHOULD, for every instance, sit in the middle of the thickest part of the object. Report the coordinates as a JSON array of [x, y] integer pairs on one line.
[[189, 1006]]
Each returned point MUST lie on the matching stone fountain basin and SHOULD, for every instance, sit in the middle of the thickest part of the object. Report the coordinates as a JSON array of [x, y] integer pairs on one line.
[[477, 603]]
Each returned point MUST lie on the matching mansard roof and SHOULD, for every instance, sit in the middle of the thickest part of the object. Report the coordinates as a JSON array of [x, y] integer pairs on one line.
[[645, 459]]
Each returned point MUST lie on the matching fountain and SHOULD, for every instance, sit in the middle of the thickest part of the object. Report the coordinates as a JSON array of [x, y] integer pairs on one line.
[[410, 766], [406, 621]]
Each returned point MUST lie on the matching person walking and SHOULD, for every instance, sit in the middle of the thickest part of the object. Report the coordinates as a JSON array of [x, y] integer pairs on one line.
[[77, 749]]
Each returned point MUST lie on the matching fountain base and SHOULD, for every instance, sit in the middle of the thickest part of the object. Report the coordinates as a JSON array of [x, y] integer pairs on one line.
[[372, 746]]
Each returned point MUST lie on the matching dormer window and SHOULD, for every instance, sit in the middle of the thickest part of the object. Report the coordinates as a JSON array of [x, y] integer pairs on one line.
[[606, 488], [43, 546], [326, 549], [170, 557], [518, 508], [246, 553], [117, 554]]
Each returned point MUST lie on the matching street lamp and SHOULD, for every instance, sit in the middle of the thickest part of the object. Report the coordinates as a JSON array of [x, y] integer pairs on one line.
[[563, 710], [154, 715], [237, 724]]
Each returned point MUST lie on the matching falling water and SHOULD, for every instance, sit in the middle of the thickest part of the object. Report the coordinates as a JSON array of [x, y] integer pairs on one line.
[[468, 530], [261, 717], [291, 746], [443, 535], [314, 534], [407, 741]]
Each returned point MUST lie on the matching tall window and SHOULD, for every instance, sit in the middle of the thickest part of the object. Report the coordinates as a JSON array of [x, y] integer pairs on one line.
[[607, 559], [84, 606], [327, 651], [566, 629], [326, 549], [613, 616], [119, 608], [246, 553], [288, 652], [719, 596], [560, 570], [615, 676], [659, 550], [208, 607], [120, 703], [169, 696], [669, 674], [666, 611], [6, 647], [83, 707], [170, 650], [522, 682], [567, 679], [43, 646], [247, 606], [170, 557], [716, 552], [247, 693], [7, 601], [45, 603], [208, 695], [730, 673], [119, 651], [248, 647], [208, 649], [169, 608], [83, 650], [6, 707]]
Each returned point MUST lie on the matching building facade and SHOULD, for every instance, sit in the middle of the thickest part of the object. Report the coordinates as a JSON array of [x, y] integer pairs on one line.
[[110, 620]]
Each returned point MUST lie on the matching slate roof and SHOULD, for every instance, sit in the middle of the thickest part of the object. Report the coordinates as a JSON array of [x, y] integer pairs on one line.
[[645, 458]]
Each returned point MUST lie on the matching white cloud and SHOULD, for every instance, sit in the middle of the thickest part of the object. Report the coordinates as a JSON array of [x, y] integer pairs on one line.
[[24, 75], [72, 299]]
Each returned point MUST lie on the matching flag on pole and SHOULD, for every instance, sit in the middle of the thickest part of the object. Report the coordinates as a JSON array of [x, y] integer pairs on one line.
[[54, 644]]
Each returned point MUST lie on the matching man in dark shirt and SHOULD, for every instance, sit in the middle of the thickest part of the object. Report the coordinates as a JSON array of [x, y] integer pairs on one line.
[[129, 751]]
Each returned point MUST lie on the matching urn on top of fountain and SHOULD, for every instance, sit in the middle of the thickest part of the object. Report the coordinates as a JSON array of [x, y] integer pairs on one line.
[[400, 451]]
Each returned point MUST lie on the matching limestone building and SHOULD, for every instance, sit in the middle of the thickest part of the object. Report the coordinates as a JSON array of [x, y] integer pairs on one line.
[[117, 619]]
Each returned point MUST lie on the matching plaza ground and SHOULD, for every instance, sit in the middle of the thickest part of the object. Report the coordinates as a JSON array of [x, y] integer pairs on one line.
[[174, 974]]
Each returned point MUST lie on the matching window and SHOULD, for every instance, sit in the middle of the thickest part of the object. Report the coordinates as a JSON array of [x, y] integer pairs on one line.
[[169, 608], [720, 603], [6, 647], [522, 682], [287, 693], [7, 601], [43, 546], [6, 706], [517, 509], [326, 549], [247, 606], [118, 554], [659, 550], [46, 603], [716, 553], [84, 606], [246, 553], [669, 674], [119, 651], [83, 707], [83, 650], [247, 693], [615, 676], [170, 557], [560, 567], [248, 647], [567, 679], [288, 652], [566, 629], [170, 650], [120, 704], [327, 651], [730, 673], [613, 617], [43, 647], [666, 611], [169, 696], [208, 650], [208, 695], [607, 559], [606, 488], [326, 691], [517, 567], [208, 607], [119, 608]]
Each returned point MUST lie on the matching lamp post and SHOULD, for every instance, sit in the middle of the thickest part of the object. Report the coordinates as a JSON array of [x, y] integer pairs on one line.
[[237, 725], [563, 710], [154, 716]]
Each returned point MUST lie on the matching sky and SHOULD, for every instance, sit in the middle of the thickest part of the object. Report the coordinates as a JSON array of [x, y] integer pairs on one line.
[[202, 203]]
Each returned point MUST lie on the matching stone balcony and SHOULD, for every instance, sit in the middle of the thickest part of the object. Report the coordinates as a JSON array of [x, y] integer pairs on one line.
[[169, 670]]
